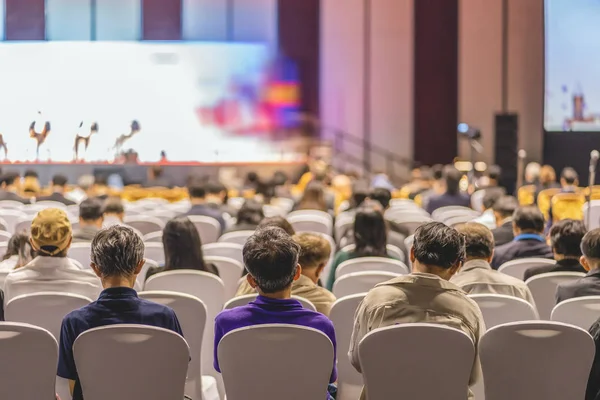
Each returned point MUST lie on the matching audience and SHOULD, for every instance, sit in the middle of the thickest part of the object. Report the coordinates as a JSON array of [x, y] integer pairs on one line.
[[547, 180], [100, 188], [476, 276], [488, 217], [565, 239], [84, 188], [50, 239], [11, 186], [18, 253], [271, 258], [157, 178], [113, 212], [426, 295], [248, 217], [569, 180], [183, 248], [532, 173], [589, 285], [529, 241], [117, 258], [279, 222], [313, 198], [59, 188], [90, 220], [31, 184], [452, 196], [197, 192], [504, 208], [216, 198]]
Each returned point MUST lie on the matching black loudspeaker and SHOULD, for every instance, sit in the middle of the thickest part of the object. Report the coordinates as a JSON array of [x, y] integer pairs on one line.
[[506, 149]]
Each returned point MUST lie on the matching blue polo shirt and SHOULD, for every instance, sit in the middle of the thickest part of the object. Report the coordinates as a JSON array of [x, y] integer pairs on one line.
[[265, 310], [120, 305]]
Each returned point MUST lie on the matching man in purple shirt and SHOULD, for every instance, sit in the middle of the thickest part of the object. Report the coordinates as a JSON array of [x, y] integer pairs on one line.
[[271, 258]]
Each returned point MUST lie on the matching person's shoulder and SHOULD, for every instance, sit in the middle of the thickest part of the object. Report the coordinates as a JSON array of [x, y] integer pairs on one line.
[[150, 307], [387, 292]]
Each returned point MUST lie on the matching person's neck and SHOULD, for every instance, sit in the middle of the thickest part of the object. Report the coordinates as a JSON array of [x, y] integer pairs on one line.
[[528, 232], [89, 224], [431, 269], [560, 257], [214, 200], [58, 190], [113, 216], [196, 201], [283, 294], [311, 273], [118, 281]]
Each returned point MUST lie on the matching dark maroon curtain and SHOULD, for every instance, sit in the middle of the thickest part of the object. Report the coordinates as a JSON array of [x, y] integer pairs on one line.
[[25, 20], [161, 19]]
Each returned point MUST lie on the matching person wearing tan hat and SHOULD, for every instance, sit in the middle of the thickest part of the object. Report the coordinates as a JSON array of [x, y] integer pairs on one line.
[[51, 270]]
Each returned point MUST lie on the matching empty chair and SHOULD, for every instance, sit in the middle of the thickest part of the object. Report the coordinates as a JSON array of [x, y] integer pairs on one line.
[[209, 228], [247, 298], [23, 224], [543, 289], [308, 353], [155, 237], [12, 217], [416, 361], [372, 264], [312, 213], [50, 204], [11, 204], [229, 250], [238, 237], [140, 362], [359, 282], [311, 223], [518, 267], [81, 252], [392, 251], [230, 271], [450, 211], [580, 311], [154, 251], [499, 309], [29, 359], [536, 360], [349, 381], [144, 224]]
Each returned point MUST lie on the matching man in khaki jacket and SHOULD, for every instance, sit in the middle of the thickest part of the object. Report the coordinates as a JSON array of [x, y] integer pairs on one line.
[[424, 296], [314, 254]]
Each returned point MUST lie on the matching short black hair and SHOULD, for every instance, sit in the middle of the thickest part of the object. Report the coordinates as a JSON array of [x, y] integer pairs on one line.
[[59, 180], [113, 205], [381, 195], [494, 172], [250, 213], [569, 175], [10, 177], [452, 176], [116, 251], [90, 209], [214, 187], [360, 192], [506, 206], [438, 245], [157, 171], [491, 196], [271, 257], [479, 241], [30, 173], [197, 188], [279, 222], [529, 218], [590, 245], [437, 172], [101, 180], [566, 237]]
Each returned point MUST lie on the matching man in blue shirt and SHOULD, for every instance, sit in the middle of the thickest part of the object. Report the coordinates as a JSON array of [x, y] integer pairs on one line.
[[271, 257], [197, 192], [117, 258]]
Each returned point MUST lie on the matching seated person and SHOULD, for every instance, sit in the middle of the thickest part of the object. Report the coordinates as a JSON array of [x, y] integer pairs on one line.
[[117, 258], [216, 197], [31, 184], [488, 217], [504, 208], [113, 212], [370, 238], [569, 182], [271, 258], [183, 248], [11, 186], [83, 190], [589, 285], [452, 196], [279, 222], [248, 217], [593, 387], [90, 220], [314, 254], [565, 238], [426, 295], [197, 193], [313, 198], [476, 276], [59, 188], [100, 188], [51, 239], [18, 252], [156, 178], [529, 241]]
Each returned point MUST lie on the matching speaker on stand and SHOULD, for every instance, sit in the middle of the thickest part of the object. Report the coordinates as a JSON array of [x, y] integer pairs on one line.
[[506, 148]]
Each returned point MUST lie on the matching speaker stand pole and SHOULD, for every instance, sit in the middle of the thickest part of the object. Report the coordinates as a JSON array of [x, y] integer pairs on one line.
[[591, 184]]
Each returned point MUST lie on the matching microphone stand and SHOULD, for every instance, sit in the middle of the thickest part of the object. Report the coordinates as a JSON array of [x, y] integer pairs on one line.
[[591, 182]]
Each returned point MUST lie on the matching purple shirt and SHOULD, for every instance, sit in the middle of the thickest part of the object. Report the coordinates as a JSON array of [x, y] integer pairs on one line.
[[264, 310]]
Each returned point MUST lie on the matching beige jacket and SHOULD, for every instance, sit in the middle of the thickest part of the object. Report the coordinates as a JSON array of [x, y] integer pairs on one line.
[[418, 297], [478, 277], [304, 287]]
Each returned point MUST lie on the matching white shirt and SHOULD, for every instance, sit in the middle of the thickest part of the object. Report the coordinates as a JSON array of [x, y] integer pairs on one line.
[[51, 274], [487, 218]]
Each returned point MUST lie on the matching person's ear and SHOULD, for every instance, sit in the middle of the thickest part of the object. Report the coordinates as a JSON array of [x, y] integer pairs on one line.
[[298, 272], [516, 230], [320, 269], [454, 269], [139, 266], [251, 281], [96, 270], [412, 254], [584, 263]]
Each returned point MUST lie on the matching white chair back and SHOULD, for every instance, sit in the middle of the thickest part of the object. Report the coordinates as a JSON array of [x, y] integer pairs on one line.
[[411, 221], [311, 223], [154, 251], [499, 309], [459, 219], [238, 237], [392, 251], [23, 224], [594, 215], [458, 215], [518, 267], [153, 237], [26, 287], [11, 204], [5, 236], [247, 298], [444, 212], [50, 204], [273, 211], [343, 223], [580, 311], [141, 362], [229, 250], [141, 278], [342, 312], [144, 224], [536, 360], [416, 361], [12, 217], [208, 228], [543, 289], [371, 264], [230, 271], [311, 213], [394, 213], [163, 214], [29, 359], [359, 282], [403, 203], [3, 225], [253, 354], [82, 253]]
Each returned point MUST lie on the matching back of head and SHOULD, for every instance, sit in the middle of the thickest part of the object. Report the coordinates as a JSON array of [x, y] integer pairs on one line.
[[479, 241], [505, 206], [569, 176], [370, 232], [117, 252], [19, 245], [452, 176], [182, 245], [529, 219], [313, 197], [101, 180], [490, 197], [271, 258], [494, 172], [196, 188], [437, 172], [59, 180], [30, 173], [566, 237], [51, 233], [382, 196], [90, 210], [547, 175], [360, 192], [10, 178], [314, 250], [214, 188], [438, 245], [85, 182], [532, 172], [590, 247], [278, 222], [251, 213], [113, 206], [157, 171]]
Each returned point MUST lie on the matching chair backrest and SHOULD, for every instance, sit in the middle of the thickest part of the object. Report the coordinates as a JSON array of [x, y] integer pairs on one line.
[[225, 249], [342, 312], [254, 354], [416, 361], [450, 211], [411, 222], [273, 211], [363, 264], [3, 224], [153, 237], [247, 298], [394, 213], [139, 361], [238, 237], [23, 224], [543, 289], [359, 282], [44, 309], [51, 204], [154, 251], [163, 214], [312, 213], [580, 311], [567, 206], [81, 252], [11, 204], [28, 286], [208, 228], [594, 214], [459, 219], [311, 223], [11, 217], [392, 251], [230, 271], [29, 359], [144, 224], [343, 223], [518, 267], [536, 360], [499, 309], [5, 236]]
